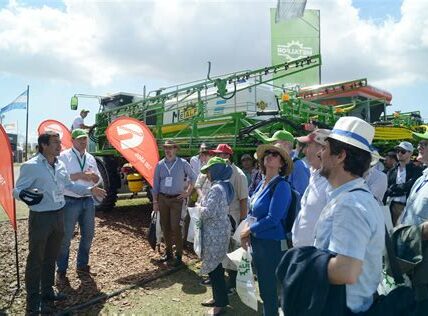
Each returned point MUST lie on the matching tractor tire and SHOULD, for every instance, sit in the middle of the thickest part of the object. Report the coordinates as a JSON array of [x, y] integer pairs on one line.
[[108, 167]]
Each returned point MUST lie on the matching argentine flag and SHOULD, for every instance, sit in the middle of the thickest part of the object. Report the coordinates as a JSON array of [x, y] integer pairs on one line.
[[19, 103]]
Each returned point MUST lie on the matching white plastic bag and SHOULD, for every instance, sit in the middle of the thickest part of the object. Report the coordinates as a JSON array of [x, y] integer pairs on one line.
[[237, 235], [245, 285], [159, 234], [191, 231], [195, 215]]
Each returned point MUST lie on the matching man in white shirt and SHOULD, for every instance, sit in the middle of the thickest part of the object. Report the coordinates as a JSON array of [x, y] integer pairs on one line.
[[315, 198], [79, 121], [199, 160], [83, 169]]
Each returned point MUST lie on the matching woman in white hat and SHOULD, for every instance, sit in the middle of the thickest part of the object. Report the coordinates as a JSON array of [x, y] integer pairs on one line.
[[264, 230]]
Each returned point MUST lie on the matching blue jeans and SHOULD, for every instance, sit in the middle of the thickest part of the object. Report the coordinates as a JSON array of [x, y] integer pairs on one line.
[[80, 211], [266, 256]]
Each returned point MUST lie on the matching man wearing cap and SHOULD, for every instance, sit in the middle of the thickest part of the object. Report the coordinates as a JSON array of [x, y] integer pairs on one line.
[[79, 121], [401, 179], [415, 214], [299, 178], [315, 197], [247, 164], [351, 225], [79, 208], [41, 185], [173, 183]]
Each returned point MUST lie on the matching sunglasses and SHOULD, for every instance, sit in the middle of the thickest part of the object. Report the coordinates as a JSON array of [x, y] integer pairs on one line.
[[401, 151], [272, 153]]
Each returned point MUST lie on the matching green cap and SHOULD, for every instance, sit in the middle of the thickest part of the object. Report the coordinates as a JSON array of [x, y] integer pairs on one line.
[[78, 133], [211, 162], [281, 135]]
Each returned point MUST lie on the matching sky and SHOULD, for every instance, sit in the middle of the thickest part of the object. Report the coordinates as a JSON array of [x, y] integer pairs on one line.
[[60, 48]]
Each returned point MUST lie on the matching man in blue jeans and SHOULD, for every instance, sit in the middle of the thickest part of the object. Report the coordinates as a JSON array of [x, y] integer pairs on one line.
[[82, 168]]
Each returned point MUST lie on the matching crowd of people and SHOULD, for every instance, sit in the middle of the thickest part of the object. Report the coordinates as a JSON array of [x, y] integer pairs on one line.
[[342, 185]]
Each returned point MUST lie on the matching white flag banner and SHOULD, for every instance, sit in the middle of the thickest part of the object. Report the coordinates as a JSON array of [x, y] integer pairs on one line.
[[289, 9]]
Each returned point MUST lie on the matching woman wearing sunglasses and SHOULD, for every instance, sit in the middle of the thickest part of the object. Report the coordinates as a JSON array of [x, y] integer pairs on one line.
[[264, 230]]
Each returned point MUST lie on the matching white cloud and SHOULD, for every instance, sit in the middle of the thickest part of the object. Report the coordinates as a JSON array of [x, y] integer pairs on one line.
[[96, 42]]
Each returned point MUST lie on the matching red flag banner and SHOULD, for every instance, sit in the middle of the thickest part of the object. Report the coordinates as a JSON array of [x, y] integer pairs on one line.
[[6, 178], [55, 126], [134, 140]]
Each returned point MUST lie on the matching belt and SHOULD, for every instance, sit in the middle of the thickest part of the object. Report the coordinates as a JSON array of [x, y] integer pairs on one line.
[[77, 198], [170, 196]]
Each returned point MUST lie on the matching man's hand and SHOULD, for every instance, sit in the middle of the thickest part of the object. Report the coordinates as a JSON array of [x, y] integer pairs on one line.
[[245, 242], [184, 195], [98, 193]]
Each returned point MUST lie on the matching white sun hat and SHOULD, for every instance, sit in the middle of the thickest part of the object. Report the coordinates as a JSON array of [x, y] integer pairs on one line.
[[353, 131]]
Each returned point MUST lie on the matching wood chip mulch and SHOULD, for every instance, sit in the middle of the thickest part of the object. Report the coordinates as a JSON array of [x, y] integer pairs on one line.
[[120, 257]]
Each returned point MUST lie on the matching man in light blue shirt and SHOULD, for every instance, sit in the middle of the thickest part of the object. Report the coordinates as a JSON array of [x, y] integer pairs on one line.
[[41, 185], [351, 225], [173, 183]]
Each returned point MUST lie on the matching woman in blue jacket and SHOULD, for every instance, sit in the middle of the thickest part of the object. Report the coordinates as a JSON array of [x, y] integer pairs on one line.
[[264, 231]]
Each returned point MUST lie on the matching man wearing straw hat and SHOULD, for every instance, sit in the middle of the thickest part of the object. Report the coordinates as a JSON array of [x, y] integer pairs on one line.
[[170, 189], [351, 225]]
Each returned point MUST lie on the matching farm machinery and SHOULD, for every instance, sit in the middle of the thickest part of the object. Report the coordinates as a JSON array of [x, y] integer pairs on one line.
[[242, 109]]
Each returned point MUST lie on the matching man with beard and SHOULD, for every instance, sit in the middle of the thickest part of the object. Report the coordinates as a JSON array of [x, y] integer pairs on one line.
[[351, 226]]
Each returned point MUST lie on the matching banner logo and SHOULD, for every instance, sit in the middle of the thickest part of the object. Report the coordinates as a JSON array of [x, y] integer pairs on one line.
[[57, 127], [293, 50], [134, 140], [137, 135]]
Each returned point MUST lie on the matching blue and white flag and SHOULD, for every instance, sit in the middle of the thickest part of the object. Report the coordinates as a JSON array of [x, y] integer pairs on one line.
[[19, 103]]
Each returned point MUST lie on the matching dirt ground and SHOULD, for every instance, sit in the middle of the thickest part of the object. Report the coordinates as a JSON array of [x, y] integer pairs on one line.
[[121, 258]]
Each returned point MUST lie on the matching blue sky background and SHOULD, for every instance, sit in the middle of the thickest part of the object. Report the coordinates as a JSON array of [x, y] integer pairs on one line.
[[60, 48]]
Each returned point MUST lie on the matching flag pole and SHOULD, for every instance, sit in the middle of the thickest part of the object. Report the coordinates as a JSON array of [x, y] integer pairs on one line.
[[15, 229], [26, 124]]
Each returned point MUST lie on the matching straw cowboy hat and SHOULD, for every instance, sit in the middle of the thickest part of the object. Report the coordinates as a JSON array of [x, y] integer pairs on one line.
[[353, 131], [261, 149]]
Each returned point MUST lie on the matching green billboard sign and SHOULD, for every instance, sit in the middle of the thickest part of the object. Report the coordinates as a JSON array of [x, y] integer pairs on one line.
[[294, 39]]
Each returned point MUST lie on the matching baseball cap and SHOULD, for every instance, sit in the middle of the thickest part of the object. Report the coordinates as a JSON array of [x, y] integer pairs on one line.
[[406, 146], [84, 110], [222, 149], [281, 135], [78, 133], [317, 136]]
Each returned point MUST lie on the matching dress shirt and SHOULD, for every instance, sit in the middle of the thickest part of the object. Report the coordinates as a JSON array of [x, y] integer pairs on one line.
[[377, 182], [416, 211], [401, 178], [196, 164], [313, 201], [352, 224], [299, 177], [180, 171], [75, 163], [38, 174]]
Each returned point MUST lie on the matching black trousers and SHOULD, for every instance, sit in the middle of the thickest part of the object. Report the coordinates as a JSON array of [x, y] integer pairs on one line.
[[45, 233], [218, 284]]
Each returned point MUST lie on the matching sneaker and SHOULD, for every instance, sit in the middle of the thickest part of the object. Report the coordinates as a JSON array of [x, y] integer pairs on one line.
[[85, 270], [231, 291]]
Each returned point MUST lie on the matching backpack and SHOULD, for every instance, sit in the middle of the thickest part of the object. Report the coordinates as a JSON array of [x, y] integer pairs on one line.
[[294, 208]]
